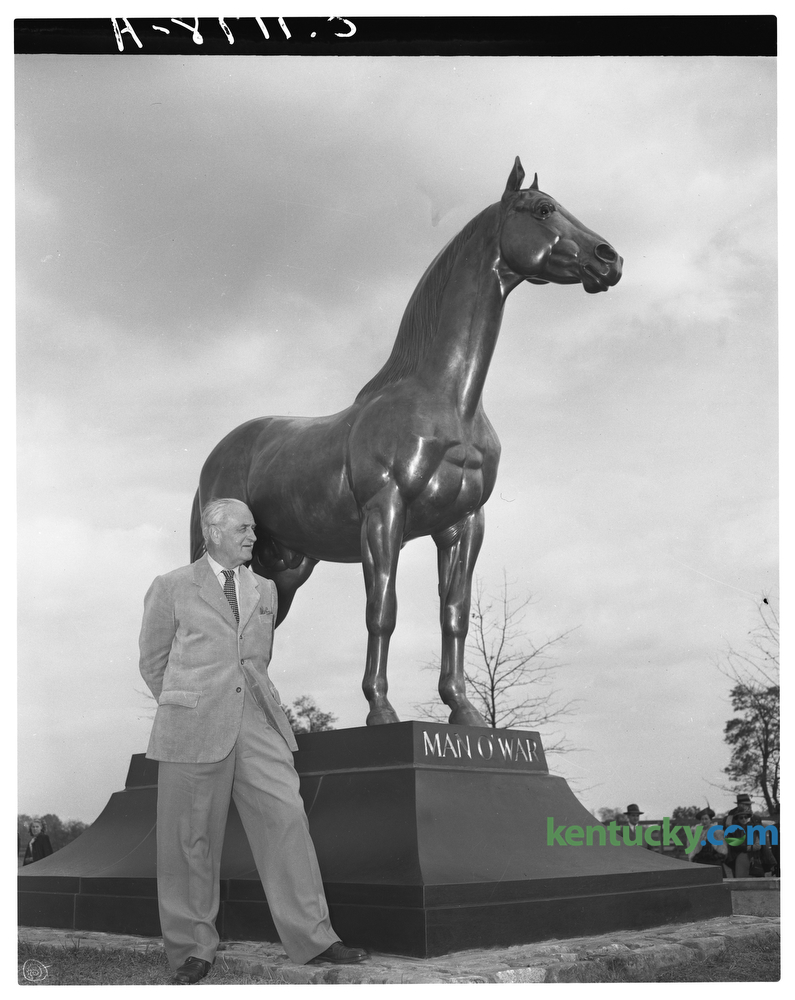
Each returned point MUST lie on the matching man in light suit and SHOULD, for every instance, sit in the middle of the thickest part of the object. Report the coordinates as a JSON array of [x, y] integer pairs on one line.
[[220, 734]]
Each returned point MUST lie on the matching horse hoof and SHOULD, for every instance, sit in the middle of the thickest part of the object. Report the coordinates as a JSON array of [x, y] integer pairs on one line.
[[468, 716], [382, 717]]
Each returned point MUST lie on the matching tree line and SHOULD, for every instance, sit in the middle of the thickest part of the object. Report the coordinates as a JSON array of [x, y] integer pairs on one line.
[[754, 734], [61, 832]]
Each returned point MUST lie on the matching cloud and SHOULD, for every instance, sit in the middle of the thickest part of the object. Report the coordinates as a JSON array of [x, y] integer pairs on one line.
[[202, 241], [82, 713]]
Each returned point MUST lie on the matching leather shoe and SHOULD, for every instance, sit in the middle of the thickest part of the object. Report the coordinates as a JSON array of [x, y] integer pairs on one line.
[[338, 954], [191, 971]]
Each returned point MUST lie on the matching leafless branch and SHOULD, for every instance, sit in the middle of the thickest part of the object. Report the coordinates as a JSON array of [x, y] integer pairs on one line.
[[509, 675]]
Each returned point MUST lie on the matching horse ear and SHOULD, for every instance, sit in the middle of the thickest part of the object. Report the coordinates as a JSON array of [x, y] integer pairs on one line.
[[534, 185], [516, 178]]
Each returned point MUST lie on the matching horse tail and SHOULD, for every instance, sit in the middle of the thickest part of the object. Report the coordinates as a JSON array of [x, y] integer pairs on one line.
[[197, 549]]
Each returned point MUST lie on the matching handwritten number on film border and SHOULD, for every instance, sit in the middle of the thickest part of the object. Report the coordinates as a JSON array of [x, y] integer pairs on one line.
[[127, 29]]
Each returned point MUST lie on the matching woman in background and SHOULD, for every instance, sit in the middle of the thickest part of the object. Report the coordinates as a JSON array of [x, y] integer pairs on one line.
[[705, 852], [39, 845]]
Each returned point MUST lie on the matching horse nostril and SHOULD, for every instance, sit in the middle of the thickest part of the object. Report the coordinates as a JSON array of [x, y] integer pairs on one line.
[[606, 253]]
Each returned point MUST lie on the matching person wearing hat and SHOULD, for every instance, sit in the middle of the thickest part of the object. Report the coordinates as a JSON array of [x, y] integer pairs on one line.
[[633, 815], [705, 852], [744, 860], [743, 802]]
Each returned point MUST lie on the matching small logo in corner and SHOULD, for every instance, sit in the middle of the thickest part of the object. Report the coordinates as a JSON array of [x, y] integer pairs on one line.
[[34, 971]]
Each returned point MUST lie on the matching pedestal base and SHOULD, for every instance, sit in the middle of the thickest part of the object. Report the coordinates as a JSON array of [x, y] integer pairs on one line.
[[430, 838]]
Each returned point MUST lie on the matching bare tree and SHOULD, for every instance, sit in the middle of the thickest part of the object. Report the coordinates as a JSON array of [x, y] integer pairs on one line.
[[759, 664], [508, 676], [754, 735]]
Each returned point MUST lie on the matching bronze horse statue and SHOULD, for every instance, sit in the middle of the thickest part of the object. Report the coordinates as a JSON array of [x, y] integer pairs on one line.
[[414, 454]]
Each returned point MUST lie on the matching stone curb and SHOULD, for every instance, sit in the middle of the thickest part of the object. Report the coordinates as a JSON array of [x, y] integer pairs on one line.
[[572, 960]]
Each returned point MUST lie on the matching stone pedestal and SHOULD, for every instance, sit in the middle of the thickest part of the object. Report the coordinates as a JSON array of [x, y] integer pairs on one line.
[[431, 838]]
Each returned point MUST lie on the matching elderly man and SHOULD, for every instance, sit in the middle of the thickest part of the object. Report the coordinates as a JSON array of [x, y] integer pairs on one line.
[[220, 734]]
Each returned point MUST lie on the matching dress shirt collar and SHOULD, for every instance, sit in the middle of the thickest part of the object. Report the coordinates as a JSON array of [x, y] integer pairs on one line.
[[218, 569]]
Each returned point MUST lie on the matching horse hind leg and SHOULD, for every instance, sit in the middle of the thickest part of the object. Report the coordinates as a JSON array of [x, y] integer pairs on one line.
[[196, 537], [287, 583], [288, 569], [458, 549]]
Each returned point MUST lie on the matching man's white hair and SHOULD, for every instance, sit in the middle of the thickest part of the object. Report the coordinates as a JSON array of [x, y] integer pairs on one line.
[[215, 512]]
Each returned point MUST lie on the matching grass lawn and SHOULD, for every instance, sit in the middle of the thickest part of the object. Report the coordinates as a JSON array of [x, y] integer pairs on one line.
[[750, 960], [73, 965]]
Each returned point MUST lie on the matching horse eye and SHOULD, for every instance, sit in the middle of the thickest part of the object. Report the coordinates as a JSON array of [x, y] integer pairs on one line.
[[545, 210]]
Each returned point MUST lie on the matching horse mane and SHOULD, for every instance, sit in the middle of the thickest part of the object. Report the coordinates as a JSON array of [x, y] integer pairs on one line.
[[420, 319]]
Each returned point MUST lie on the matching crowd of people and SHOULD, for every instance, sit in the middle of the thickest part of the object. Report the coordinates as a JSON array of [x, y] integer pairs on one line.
[[737, 857], [729, 848]]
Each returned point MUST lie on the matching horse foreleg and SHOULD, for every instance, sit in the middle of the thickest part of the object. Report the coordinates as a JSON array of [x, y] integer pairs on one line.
[[458, 550], [381, 535]]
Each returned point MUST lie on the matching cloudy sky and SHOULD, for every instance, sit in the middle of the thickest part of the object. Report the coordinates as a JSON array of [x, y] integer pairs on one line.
[[205, 240]]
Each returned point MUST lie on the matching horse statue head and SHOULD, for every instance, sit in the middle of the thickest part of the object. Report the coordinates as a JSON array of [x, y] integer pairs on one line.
[[541, 242]]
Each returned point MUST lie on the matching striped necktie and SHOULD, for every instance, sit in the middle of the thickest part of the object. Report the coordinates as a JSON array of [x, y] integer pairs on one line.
[[229, 590]]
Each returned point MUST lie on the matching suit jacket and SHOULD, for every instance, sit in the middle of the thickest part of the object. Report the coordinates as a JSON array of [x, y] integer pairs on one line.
[[634, 834], [197, 662]]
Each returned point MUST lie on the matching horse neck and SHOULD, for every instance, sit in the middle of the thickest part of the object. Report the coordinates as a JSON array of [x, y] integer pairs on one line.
[[468, 320], [450, 326]]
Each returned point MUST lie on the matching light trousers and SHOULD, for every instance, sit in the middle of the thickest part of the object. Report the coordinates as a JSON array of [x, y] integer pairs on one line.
[[192, 805]]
